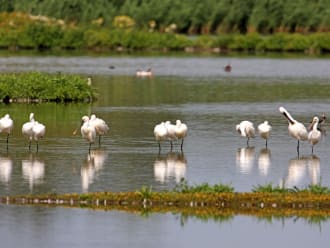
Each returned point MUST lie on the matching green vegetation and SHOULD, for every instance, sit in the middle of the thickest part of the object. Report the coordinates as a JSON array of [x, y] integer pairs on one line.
[[183, 187], [130, 25], [186, 16], [38, 87]]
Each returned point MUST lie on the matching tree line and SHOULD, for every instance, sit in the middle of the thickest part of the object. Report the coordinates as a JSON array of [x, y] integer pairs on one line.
[[188, 16]]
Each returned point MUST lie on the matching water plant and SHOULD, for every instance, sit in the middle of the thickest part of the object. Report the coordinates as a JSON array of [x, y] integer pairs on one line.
[[183, 187], [39, 87]]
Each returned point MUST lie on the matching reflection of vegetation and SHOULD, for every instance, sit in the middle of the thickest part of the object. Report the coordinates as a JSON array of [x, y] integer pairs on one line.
[[35, 86], [125, 91]]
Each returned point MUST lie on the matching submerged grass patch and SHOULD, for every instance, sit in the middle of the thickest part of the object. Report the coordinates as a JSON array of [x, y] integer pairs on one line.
[[41, 87]]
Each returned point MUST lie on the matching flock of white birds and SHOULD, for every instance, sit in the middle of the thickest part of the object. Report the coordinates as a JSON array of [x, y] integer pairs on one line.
[[167, 131], [93, 126], [296, 129], [32, 129]]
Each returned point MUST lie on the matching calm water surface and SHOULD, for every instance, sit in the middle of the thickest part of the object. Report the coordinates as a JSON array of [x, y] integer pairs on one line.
[[201, 94]]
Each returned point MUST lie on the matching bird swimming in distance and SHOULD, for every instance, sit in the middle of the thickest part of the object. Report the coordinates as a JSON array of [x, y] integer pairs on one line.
[[227, 67], [314, 136], [33, 130], [144, 73], [101, 127], [87, 131], [6, 126], [160, 133], [246, 129], [296, 129], [181, 131], [264, 130]]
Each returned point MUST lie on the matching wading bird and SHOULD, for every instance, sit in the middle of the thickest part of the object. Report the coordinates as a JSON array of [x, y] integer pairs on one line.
[[181, 131], [314, 136], [246, 129], [264, 130], [33, 130], [6, 126], [101, 127], [170, 132], [296, 129], [88, 131], [160, 133]]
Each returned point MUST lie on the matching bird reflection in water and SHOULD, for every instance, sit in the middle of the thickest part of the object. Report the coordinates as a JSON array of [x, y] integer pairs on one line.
[[264, 161], [301, 167], [245, 159], [93, 163], [6, 167], [33, 169], [171, 165]]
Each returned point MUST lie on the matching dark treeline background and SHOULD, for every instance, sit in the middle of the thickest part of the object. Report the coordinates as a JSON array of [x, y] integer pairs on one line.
[[189, 16]]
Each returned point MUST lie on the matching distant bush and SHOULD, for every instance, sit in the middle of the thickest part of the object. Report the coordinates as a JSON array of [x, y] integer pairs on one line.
[[35, 86]]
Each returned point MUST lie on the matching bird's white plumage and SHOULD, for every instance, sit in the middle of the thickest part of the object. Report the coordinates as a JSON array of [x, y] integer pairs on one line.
[[296, 129], [6, 124], [101, 127], [33, 130], [87, 130], [314, 136], [246, 129], [160, 132]]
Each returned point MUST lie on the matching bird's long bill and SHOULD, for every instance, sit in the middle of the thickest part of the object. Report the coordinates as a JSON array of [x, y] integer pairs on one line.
[[76, 130]]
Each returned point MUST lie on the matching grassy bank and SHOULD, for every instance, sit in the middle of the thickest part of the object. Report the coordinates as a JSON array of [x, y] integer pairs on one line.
[[41, 87], [201, 200]]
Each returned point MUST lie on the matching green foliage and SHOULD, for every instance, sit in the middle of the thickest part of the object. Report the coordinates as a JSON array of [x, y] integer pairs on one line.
[[145, 192], [269, 188], [183, 187], [190, 16], [44, 87]]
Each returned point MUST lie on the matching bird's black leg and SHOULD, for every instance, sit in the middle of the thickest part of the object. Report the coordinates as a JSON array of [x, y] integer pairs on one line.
[[182, 145]]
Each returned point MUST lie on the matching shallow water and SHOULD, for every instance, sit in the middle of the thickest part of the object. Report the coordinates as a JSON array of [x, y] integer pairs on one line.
[[200, 93]]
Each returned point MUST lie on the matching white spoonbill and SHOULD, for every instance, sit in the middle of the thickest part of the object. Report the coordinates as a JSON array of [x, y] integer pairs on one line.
[[264, 130], [181, 131], [88, 131], [33, 130], [246, 129], [101, 127], [296, 129], [170, 132], [39, 131], [6, 126], [160, 133], [314, 136]]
